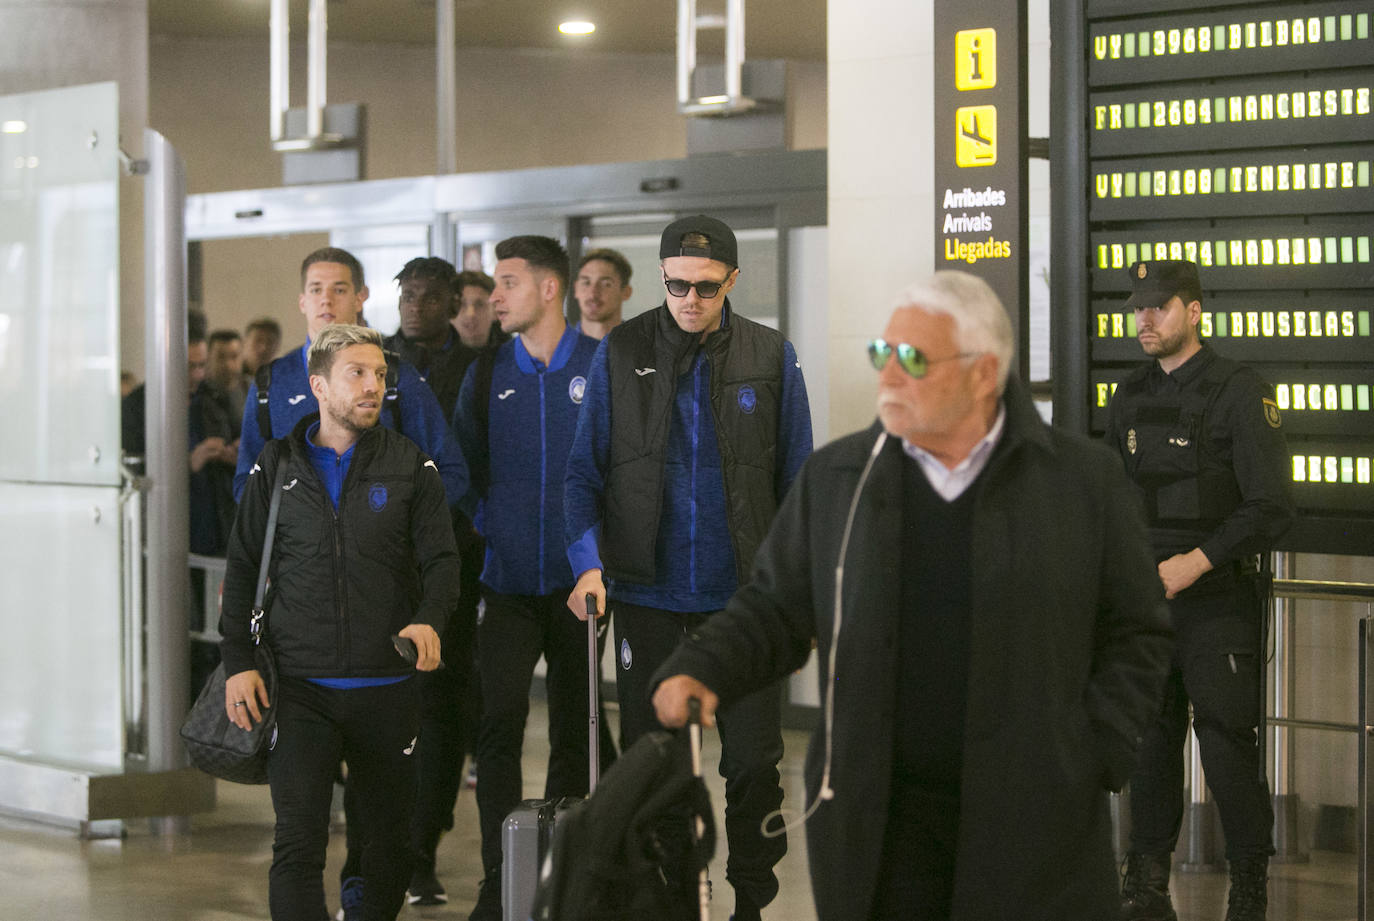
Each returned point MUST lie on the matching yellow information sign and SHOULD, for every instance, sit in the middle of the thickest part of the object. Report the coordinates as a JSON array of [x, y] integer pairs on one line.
[[975, 59], [975, 136]]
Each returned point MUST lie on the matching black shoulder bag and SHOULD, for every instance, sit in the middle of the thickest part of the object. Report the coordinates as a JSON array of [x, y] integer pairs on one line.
[[215, 744]]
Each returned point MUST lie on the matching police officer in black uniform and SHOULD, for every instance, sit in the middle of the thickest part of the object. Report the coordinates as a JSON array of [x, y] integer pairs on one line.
[[1200, 436]]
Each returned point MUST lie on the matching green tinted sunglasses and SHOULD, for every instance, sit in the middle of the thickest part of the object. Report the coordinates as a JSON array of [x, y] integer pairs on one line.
[[912, 359]]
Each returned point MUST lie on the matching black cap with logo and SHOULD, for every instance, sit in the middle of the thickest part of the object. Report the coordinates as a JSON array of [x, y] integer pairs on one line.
[[1153, 283], [720, 240]]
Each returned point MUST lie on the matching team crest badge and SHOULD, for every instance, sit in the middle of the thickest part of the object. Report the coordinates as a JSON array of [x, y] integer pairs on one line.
[[1271, 413], [577, 388], [376, 497], [748, 400], [1131, 443], [626, 657], [1141, 271]]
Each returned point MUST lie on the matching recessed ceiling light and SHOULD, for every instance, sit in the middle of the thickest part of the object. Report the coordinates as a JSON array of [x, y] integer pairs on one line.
[[577, 27], [14, 127]]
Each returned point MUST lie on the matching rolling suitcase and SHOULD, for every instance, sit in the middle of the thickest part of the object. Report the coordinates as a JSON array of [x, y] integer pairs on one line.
[[527, 833], [639, 847]]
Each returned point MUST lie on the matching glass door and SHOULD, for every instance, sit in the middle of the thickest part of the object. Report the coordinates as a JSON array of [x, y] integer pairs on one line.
[[383, 251], [476, 238], [60, 563]]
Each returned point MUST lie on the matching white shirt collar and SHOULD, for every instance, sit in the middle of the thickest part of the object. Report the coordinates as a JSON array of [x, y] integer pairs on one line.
[[951, 484]]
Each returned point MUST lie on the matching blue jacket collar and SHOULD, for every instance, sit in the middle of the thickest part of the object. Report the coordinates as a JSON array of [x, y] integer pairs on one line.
[[528, 364]]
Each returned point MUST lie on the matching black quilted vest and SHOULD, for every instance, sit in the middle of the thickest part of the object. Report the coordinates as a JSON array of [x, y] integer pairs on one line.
[[745, 356]]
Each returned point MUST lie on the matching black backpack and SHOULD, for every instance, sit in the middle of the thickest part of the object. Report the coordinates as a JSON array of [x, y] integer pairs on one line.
[[479, 468], [627, 851]]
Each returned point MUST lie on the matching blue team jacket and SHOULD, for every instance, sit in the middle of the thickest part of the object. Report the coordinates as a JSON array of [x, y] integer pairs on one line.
[[532, 412]]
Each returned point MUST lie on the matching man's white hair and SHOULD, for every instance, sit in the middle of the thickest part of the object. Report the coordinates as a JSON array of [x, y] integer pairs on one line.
[[981, 323]]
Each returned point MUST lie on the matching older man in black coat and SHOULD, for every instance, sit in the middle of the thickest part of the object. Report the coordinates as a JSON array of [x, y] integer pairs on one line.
[[991, 632]]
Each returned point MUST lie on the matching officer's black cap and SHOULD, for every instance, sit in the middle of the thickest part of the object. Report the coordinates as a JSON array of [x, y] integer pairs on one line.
[[1153, 283], [720, 240]]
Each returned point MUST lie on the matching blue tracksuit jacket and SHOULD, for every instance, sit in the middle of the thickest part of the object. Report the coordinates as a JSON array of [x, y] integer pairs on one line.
[[532, 412]]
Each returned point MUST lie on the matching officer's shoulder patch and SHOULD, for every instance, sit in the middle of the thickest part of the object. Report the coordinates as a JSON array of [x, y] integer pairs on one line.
[[1271, 413]]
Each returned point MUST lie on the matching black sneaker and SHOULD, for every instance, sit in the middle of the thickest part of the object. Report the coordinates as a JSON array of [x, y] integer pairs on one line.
[[488, 907], [351, 898], [1249, 896], [1145, 889], [425, 889]]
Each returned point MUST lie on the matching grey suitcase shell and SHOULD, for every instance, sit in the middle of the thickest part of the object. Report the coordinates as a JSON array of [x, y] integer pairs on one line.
[[527, 833], [526, 837]]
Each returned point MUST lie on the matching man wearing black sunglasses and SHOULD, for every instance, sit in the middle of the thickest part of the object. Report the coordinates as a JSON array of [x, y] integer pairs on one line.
[[694, 424], [990, 631]]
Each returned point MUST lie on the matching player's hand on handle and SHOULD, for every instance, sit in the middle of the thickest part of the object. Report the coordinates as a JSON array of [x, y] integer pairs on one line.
[[589, 583]]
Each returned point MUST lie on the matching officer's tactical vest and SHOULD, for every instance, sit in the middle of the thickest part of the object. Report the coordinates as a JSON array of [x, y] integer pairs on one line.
[[1188, 485]]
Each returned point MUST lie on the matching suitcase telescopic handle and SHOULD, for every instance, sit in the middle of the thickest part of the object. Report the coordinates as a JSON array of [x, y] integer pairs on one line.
[[694, 733], [593, 698], [698, 825]]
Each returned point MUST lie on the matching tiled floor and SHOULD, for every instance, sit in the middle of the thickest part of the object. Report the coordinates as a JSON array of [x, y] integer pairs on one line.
[[218, 872]]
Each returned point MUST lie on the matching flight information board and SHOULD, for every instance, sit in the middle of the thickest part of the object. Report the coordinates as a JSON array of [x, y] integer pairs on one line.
[[1238, 135], [1252, 38], [1295, 180]]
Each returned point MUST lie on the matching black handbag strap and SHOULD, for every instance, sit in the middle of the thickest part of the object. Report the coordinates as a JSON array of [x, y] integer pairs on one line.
[[257, 625]]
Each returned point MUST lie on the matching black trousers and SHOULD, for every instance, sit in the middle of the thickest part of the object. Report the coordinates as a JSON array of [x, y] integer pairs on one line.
[[375, 730], [448, 719], [750, 741], [514, 632], [1216, 667], [450, 706]]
